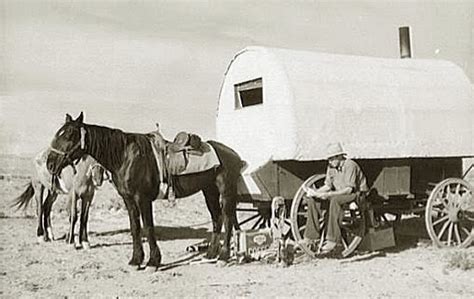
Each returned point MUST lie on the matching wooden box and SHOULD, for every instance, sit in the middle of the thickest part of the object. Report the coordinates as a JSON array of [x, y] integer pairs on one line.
[[252, 242], [377, 239]]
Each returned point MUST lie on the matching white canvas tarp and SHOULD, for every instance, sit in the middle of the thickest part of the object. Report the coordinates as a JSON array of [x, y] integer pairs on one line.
[[378, 108]]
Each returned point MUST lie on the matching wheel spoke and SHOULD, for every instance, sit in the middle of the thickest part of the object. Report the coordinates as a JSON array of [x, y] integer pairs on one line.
[[439, 210], [440, 220], [258, 222], [302, 228], [466, 202], [344, 243], [450, 233], [445, 226], [456, 234], [446, 192], [249, 219], [465, 231]]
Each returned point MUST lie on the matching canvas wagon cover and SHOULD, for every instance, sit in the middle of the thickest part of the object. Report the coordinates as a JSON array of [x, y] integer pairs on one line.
[[377, 107]]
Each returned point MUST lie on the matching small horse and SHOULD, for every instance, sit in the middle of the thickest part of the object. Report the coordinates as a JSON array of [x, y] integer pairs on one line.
[[129, 158], [75, 183]]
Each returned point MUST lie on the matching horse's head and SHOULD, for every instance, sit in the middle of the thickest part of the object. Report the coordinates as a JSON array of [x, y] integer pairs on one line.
[[96, 172], [67, 145]]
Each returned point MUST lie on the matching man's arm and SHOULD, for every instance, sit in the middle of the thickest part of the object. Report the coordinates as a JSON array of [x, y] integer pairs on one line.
[[325, 193], [347, 190], [316, 193]]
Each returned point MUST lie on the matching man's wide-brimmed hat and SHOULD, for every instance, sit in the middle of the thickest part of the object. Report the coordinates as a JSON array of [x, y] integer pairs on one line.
[[334, 149]]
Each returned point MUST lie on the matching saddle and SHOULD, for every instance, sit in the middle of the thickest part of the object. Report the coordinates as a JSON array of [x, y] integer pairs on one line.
[[186, 154], [184, 145]]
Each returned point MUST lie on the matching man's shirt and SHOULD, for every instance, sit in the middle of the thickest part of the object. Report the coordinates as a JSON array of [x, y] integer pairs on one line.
[[348, 174]]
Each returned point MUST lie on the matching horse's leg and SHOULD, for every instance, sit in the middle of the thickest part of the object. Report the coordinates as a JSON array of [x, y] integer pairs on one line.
[[134, 217], [146, 211], [39, 189], [211, 195], [54, 196], [227, 189], [83, 235], [48, 206], [72, 216]]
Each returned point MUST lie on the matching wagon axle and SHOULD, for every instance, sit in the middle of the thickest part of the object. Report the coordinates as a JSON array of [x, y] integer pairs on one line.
[[456, 215]]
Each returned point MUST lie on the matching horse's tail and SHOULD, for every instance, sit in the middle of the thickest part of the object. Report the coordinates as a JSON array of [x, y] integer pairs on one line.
[[22, 201]]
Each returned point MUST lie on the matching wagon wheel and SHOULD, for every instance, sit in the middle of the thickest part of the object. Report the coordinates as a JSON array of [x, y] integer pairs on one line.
[[449, 215], [351, 231], [298, 216], [250, 216]]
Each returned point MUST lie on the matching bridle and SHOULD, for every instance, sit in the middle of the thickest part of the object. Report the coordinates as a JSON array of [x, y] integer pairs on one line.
[[67, 155]]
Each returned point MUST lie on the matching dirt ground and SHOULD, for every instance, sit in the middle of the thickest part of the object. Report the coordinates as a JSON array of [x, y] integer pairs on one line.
[[31, 269]]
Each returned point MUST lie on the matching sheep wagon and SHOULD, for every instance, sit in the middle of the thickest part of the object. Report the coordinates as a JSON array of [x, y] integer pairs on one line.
[[407, 122]]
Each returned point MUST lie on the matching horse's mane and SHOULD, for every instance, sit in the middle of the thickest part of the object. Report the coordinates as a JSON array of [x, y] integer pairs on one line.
[[108, 145]]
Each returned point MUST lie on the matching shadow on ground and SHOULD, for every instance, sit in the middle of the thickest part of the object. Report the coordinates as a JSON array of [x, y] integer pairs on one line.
[[165, 233], [410, 233]]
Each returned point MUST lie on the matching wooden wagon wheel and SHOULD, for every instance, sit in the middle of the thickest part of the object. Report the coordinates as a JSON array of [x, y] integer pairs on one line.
[[251, 216], [449, 214], [298, 216]]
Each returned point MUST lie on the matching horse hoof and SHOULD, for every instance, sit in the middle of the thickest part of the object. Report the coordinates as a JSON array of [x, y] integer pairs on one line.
[[221, 264], [86, 245], [135, 263], [50, 233], [40, 239]]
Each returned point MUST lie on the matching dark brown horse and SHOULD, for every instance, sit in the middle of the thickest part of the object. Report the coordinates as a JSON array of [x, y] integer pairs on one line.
[[129, 158]]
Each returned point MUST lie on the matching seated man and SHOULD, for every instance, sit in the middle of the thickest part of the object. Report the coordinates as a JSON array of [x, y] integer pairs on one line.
[[344, 183]]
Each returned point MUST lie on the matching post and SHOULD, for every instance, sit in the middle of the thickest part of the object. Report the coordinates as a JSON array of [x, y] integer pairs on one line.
[[405, 42]]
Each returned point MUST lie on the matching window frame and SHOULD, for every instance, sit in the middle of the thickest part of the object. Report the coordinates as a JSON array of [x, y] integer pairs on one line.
[[253, 84]]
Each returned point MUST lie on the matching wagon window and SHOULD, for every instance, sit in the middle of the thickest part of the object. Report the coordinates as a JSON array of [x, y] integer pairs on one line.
[[248, 93]]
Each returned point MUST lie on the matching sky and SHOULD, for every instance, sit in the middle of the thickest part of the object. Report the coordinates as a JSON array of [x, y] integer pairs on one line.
[[131, 64]]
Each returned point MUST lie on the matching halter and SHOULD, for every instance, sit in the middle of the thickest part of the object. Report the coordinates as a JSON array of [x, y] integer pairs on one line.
[[66, 155]]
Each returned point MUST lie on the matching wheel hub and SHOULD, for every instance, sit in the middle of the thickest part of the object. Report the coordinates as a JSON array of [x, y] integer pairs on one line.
[[455, 215]]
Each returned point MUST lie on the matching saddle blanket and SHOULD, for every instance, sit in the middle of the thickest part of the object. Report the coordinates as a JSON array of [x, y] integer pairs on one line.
[[198, 163]]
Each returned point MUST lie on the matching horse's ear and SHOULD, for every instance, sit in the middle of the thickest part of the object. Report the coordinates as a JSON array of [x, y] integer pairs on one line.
[[68, 118], [80, 118], [157, 126]]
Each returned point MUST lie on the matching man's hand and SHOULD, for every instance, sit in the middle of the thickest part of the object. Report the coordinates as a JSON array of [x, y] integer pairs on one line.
[[324, 195], [314, 193]]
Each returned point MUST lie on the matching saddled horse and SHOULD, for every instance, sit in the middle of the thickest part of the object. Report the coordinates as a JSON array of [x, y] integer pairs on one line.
[[77, 183], [129, 158]]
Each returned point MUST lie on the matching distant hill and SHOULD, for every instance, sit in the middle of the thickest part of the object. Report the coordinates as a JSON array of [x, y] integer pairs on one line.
[[16, 165]]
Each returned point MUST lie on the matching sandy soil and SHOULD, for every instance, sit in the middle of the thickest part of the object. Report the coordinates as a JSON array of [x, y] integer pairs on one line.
[[28, 268]]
